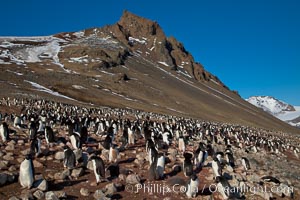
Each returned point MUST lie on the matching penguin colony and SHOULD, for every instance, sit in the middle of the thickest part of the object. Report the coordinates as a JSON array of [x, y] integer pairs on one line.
[[198, 147]]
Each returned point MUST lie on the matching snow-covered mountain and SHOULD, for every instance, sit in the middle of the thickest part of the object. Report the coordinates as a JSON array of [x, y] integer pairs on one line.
[[278, 108]]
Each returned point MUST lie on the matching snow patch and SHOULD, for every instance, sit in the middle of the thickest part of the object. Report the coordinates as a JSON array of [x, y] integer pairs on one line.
[[163, 63], [47, 90], [79, 34], [105, 72], [78, 87], [79, 59], [289, 115], [133, 40], [184, 73], [17, 73]]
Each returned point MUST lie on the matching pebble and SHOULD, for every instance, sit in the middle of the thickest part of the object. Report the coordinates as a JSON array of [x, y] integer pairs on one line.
[[84, 192], [39, 194]]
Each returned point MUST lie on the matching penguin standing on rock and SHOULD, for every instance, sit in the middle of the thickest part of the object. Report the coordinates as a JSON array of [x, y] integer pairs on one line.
[[192, 186], [223, 187], [26, 176], [160, 165], [216, 166], [229, 158], [75, 140], [114, 170], [200, 157], [4, 132], [49, 135], [99, 168], [246, 163], [35, 146], [69, 158], [181, 144], [83, 135], [113, 155], [187, 164], [32, 130], [107, 142], [152, 153]]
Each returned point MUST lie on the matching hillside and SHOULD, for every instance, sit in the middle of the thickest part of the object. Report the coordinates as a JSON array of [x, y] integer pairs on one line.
[[129, 64]]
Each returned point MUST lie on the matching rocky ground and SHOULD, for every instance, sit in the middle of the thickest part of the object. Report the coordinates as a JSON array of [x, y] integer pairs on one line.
[[54, 182]]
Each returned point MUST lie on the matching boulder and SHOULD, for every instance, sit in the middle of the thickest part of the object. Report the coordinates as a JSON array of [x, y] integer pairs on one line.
[[133, 179], [51, 196], [76, 173], [59, 155]]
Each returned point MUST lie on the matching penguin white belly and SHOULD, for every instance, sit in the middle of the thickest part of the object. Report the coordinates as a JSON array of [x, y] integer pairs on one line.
[[130, 137], [192, 188], [26, 174], [95, 171], [215, 168], [181, 145], [2, 133], [73, 141], [244, 164], [200, 159], [150, 157], [165, 139], [113, 155], [46, 136], [223, 191], [161, 166]]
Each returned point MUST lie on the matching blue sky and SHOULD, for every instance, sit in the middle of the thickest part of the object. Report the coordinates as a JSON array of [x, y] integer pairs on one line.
[[252, 46]]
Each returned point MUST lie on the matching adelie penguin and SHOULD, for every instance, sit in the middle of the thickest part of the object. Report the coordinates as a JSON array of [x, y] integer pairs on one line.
[[160, 165], [26, 176], [229, 159], [152, 154], [130, 136], [114, 170], [49, 135], [157, 167], [35, 146], [200, 157], [83, 135], [4, 132], [216, 166], [192, 186], [187, 164], [181, 144], [69, 158], [223, 187], [107, 142], [99, 168], [32, 130], [245, 163], [75, 140], [113, 154]]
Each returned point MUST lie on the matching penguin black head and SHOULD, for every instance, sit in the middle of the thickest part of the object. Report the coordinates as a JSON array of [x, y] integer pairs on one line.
[[188, 156], [194, 177], [93, 157], [215, 158], [28, 157], [66, 147]]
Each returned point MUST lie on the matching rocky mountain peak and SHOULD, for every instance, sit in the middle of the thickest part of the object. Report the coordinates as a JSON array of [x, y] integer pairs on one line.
[[137, 26], [147, 38]]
